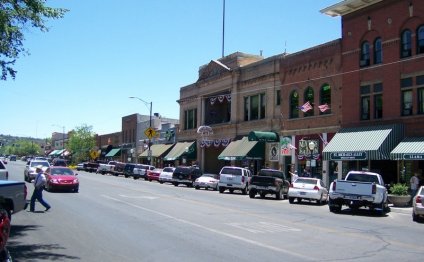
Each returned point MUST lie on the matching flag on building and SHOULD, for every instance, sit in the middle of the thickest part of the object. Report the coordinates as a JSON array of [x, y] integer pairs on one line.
[[306, 107], [323, 108]]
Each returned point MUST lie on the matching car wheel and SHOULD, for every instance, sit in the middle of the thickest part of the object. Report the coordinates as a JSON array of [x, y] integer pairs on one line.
[[319, 201], [221, 190], [262, 195], [197, 187], [299, 200], [414, 217], [175, 184], [252, 194], [291, 200], [244, 191], [231, 191], [76, 190]]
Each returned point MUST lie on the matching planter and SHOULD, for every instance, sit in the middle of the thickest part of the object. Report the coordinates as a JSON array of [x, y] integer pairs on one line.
[[399, 201]]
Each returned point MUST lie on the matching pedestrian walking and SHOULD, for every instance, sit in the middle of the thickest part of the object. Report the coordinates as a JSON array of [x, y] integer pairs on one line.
[[414, 182], [294, 176], [37, 194]]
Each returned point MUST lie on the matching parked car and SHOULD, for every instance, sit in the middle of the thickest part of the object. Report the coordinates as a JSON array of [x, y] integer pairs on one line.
[[128, 170], [207, 181], [80, 167], [418, 205], [153, 174], [61, 178], [234, 178], [59, 162], [140, 171], [118, 169], [166, 175], [29, 172], [4, 174], [3, 159], [12, 158], [305, 188], [185, 175], [269, 181]]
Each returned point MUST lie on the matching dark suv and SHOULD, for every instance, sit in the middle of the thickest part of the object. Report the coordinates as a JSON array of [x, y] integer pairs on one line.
[[128, 169], [59, 162], [185, 175], [269, 181]]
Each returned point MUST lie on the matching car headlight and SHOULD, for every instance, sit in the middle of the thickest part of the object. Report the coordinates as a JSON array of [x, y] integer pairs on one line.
[[76, 181]]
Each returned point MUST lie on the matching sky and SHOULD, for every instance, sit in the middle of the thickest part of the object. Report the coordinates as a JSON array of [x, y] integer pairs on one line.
[[83, 71]]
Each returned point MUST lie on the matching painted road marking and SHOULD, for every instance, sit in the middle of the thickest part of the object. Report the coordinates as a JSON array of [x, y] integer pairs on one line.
[[263, 227]]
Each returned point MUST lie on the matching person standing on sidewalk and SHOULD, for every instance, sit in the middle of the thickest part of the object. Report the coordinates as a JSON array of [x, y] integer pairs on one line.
[[414, 181], [37, 194]]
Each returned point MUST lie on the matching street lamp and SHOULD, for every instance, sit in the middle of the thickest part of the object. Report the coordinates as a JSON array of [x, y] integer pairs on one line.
[[149, 153], [311, 146]]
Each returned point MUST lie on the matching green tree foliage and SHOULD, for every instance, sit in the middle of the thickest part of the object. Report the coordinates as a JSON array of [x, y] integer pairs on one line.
[[22, 148], [15, 16], [81, 141]]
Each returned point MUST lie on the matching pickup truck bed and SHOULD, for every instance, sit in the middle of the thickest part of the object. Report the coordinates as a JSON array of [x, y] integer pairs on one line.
[[13, 196]]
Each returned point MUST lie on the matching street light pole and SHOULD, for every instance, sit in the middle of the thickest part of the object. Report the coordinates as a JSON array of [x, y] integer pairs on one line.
[[149, 152], [311, 146]]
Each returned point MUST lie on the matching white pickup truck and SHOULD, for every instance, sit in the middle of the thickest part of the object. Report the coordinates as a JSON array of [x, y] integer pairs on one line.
[[359, 189], [106, 168], [13, 196]]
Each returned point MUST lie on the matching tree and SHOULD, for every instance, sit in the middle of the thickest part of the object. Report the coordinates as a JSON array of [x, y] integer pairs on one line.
[[15, 15], [80, 142]]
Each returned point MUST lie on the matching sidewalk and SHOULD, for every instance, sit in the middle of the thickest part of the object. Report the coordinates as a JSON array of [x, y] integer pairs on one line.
[[402, 210]]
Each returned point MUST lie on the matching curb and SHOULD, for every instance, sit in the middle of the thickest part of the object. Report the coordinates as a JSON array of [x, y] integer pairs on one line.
[[402, 210]]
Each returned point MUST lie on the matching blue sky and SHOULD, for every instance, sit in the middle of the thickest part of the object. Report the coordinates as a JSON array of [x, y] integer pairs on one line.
[[84, 69]]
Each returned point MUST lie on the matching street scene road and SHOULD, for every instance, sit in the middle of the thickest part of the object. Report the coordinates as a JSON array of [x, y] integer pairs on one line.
[[121, 219]]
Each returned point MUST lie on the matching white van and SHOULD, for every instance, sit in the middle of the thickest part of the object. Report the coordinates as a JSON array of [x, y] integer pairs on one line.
[[234, 178]]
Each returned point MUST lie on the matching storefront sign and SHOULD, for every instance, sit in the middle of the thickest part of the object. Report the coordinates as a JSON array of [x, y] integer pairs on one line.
[[273, 152], [348, 156], [413, 156]]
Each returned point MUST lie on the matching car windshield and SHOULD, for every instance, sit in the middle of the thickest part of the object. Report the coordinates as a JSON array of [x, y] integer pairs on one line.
[[36, 163], [168, 169], [359, 177], [306, 181], [62, 172], [272, 173], [231, 171]]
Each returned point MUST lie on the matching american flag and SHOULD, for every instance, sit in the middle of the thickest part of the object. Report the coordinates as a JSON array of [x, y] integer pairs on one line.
[[292, 146], [323, 108], [306, 107]]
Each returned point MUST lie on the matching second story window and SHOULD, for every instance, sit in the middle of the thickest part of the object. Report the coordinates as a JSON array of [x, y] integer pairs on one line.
[[420, 94], [190, 119], [406, 85], [365, 54], [406, 46], [378, 101], [378, 51], [294, 105], [254, 107], [325, 99], [278, 98], [420, 40], [309, 96], [365, 102]]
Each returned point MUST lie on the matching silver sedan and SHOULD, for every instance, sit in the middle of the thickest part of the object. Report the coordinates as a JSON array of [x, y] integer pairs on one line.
[[305, 188], [207, 181]]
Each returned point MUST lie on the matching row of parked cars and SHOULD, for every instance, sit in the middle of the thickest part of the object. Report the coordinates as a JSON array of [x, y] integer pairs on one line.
[[230, 178]]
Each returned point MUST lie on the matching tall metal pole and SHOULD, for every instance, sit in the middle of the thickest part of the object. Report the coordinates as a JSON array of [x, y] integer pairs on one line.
[[150, 126], [223, 27]]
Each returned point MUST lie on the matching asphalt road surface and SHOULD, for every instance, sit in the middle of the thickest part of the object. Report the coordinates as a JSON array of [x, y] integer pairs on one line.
[[121, 219]]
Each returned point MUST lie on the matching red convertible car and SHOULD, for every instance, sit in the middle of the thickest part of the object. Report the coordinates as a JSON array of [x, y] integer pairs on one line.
[[61, 178], [153, 174]]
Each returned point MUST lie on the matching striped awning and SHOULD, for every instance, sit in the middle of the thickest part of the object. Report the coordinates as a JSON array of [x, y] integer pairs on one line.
[[113, 152], [180, 149], [364, 143], [411, 148], [243, 149], [157, 150]]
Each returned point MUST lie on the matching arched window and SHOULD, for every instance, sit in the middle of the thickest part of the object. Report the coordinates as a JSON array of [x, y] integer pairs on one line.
[[378, 51], [325, 99], [420, 40], [405, 49], [294, 105], [309, 97], [365, 54]]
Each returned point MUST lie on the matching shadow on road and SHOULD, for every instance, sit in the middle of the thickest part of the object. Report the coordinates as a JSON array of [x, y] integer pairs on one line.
[[46, 252]]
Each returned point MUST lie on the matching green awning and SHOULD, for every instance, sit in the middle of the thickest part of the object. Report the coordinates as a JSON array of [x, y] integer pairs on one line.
[[243, 149], [364, 143], [263, 136], [157, 150], [411, 148], [113, 152], [180, 149], [59, 152], [54, 153]]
